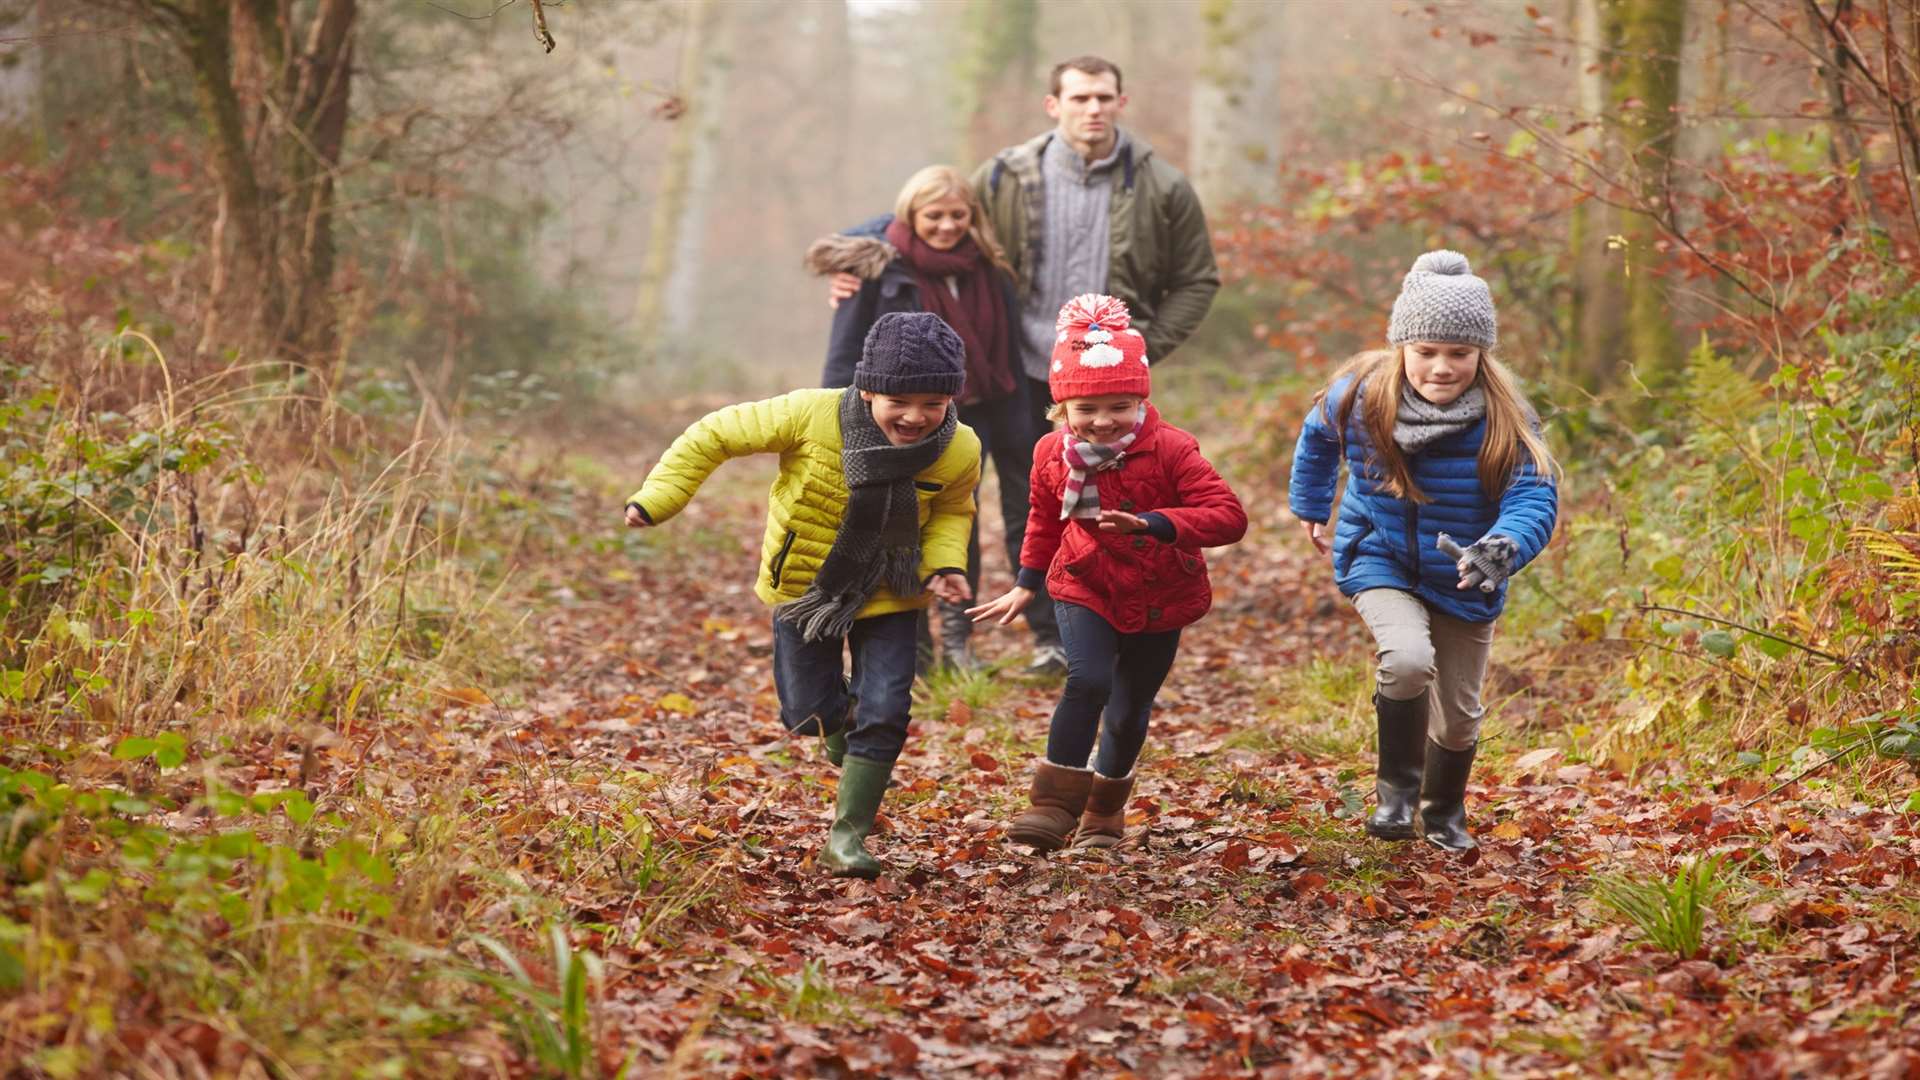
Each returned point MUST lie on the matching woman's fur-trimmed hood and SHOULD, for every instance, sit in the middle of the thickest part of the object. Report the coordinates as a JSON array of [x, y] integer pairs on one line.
[[861, 256]]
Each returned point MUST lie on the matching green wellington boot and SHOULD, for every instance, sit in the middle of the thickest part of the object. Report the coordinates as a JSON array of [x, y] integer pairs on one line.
[[863, 784], [834, 747]]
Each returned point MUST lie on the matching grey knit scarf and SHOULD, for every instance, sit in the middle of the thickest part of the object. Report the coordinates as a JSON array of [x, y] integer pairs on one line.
[[1420, 423], [878, 542]]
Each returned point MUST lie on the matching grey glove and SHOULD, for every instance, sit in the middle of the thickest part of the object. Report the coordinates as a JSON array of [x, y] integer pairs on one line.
[[1487, 563]]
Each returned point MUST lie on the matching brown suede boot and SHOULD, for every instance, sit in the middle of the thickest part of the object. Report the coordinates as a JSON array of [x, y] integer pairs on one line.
[[1105, 821], [1059, 794]]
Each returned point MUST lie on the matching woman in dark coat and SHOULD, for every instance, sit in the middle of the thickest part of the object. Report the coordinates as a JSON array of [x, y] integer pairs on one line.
[[937, 253]]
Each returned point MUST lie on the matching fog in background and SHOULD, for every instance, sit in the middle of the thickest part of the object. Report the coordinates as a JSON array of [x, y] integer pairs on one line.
[[804, 117]]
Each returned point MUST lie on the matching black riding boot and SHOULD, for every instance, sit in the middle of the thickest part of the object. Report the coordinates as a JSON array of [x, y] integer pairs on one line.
[[1443, 801], [1403, 736]]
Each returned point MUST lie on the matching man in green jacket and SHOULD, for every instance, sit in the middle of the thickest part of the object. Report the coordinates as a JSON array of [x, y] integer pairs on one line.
[[1088, 207]]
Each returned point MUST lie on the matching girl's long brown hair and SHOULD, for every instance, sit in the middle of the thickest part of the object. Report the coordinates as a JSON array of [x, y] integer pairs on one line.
[[938, 182], [1510, 430]]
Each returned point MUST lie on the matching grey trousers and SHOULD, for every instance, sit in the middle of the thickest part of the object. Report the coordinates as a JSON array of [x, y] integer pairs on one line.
[[1420, 649]]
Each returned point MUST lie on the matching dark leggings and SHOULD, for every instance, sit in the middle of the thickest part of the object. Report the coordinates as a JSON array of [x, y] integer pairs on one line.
[[1112, 672]]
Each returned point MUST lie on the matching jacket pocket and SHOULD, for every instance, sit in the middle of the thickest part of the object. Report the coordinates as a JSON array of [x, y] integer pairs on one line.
[[1352, 548], [928, 487], [779, 562], [1082, 562]]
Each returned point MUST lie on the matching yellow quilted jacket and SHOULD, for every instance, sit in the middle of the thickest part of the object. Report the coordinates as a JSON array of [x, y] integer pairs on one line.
[[809, 497]]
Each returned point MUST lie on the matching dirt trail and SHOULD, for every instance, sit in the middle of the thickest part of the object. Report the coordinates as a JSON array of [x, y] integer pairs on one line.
[[1247, 926]]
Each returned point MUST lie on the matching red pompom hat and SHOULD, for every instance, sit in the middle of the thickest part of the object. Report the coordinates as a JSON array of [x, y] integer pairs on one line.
[[1095, 351]]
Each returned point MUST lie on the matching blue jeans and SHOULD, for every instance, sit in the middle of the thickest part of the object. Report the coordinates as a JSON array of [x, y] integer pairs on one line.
[[816, 696], [1112, 672]]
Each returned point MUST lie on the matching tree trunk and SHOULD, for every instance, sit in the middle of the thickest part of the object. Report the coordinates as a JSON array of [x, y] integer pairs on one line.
[[1649, 36], [669, 236], [1236, 102], [1597, 324], [244, 254], [1697, 143], [276, 119], [317, 98], [21, 73], [997, 75]]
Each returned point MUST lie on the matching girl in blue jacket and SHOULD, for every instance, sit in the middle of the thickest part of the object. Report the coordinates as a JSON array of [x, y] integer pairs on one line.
[[1450, 491]]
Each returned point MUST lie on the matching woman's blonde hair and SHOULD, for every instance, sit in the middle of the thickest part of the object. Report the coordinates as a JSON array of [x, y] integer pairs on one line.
[[938, 182], [1377, 379]]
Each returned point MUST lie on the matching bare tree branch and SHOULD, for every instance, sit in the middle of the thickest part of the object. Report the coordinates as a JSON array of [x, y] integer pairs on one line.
[[540, 25]]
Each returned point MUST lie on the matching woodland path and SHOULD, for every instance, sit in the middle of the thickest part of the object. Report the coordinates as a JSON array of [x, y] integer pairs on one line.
[[1247, 926]]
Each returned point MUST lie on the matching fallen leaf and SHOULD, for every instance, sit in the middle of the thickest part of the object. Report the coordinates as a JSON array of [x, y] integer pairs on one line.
[[677, 703], [465, 695], [1536, 758]]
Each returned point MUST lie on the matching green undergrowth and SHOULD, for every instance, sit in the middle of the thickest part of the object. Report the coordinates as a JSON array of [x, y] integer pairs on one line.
[[232, 614]]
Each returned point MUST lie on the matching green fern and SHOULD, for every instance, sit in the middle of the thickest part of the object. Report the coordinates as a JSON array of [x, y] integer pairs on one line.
[[1719, 389], [1896, 551]]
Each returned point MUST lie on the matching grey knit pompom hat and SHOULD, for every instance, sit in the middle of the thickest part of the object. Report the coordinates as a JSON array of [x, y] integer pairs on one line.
[[1441, 300]]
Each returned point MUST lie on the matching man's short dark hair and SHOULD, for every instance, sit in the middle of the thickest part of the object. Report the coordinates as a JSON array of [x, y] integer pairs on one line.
[[1086, 65]]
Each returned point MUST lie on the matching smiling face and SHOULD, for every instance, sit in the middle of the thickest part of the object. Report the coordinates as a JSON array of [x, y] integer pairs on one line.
[[905, 419], [1087, 108], [1440, 371], [1102, 418], [942, 223]]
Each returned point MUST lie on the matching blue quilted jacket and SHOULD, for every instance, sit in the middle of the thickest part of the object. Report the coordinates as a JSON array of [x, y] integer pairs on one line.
[[1387, 542]]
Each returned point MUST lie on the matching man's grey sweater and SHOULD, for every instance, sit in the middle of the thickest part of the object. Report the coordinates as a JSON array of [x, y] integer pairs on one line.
[[1073, 246]]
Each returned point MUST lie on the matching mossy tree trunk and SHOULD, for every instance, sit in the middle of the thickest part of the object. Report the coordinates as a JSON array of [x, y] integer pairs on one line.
[[1648, 37], [1597, 319], [663, 304], [1236, 119], [997, 74]]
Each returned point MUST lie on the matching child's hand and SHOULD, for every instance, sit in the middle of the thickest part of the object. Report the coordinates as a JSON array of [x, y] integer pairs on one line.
[[1485, 565], [1003, 610], [1316, 532], [950, 587], [841, 287], [636, 519], [1119, 521]]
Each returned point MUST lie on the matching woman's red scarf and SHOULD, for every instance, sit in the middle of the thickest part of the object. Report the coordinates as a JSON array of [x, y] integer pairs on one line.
[[979, 314]]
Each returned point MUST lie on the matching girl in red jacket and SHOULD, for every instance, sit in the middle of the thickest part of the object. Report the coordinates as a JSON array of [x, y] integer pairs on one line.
[[1122, 504]]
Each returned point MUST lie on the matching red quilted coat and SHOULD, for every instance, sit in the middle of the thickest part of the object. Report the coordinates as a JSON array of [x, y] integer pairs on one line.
[[1134, 581]]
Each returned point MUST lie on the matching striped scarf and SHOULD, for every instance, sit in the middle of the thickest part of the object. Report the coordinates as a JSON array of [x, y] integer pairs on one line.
[[1082, 497]]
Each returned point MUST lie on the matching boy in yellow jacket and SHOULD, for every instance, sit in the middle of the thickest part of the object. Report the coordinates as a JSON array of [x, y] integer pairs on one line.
[[871, 511]]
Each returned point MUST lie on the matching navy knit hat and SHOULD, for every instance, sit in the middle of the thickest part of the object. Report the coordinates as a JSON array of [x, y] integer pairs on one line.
[[911, 352]]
